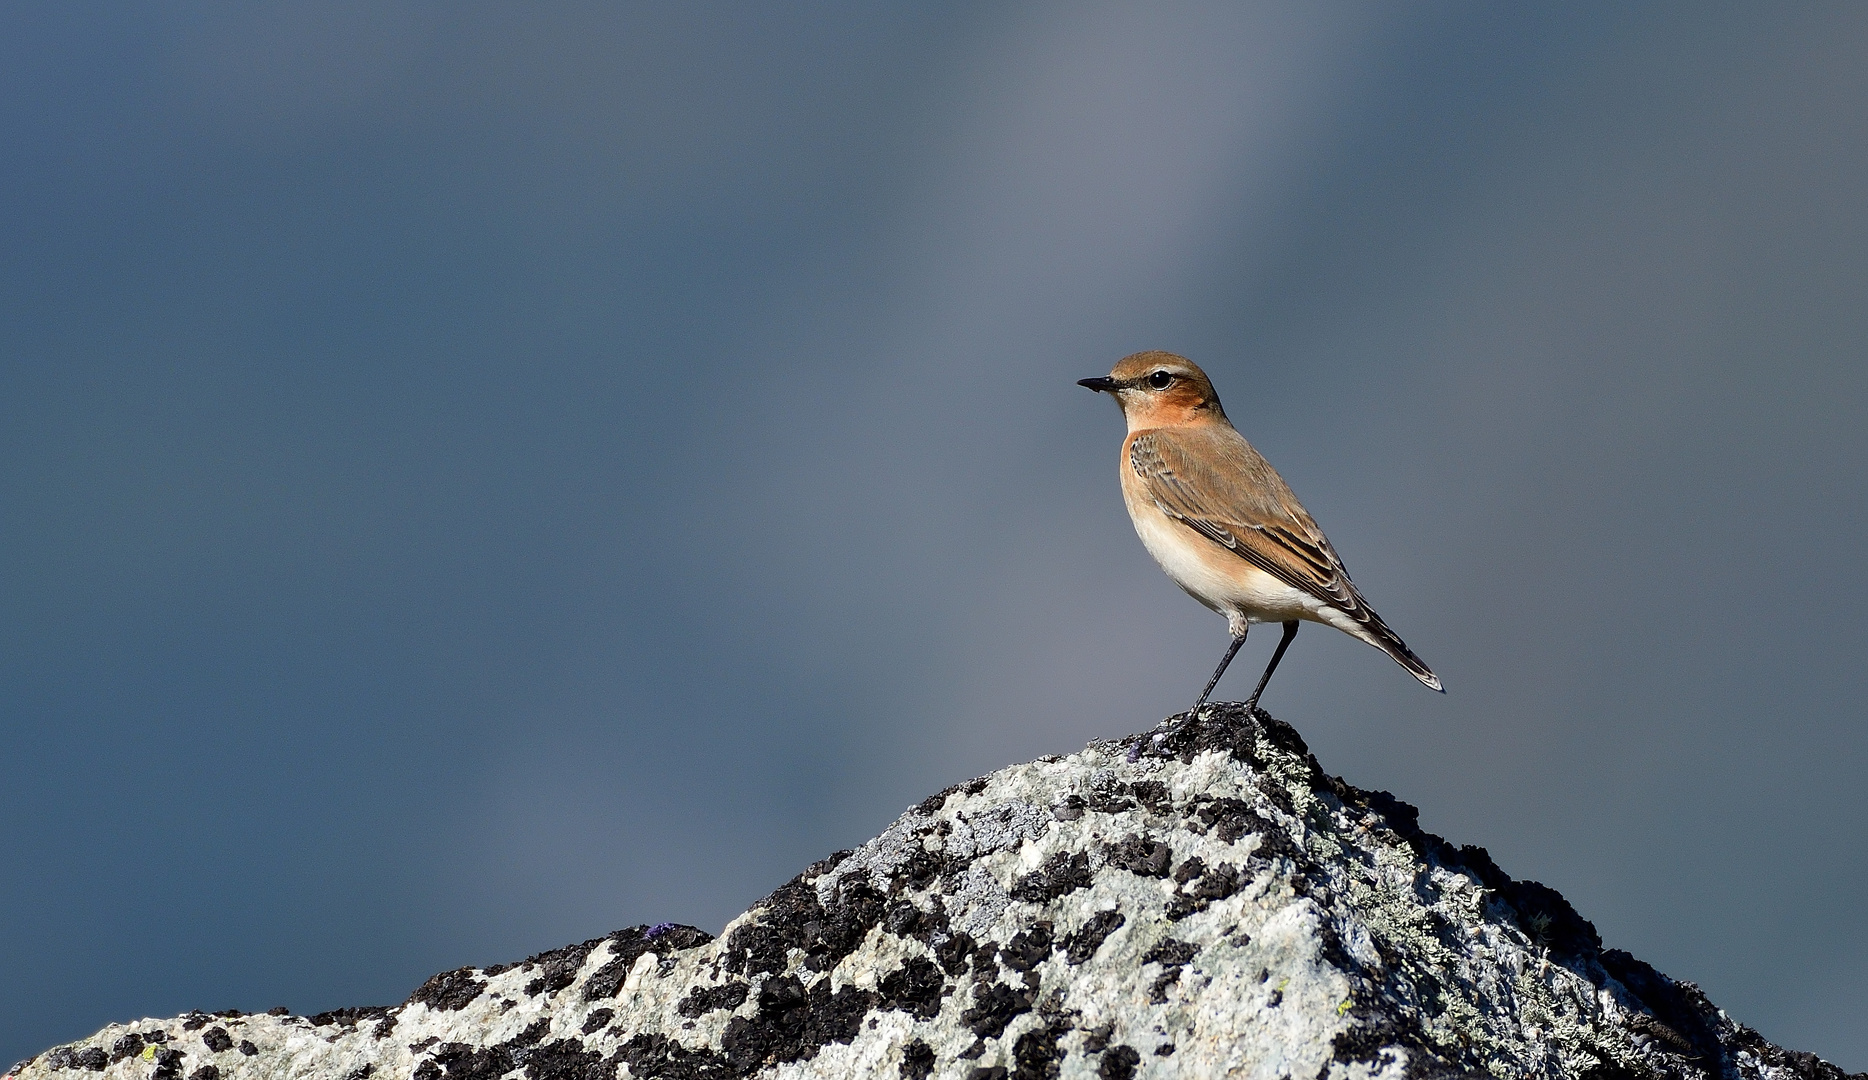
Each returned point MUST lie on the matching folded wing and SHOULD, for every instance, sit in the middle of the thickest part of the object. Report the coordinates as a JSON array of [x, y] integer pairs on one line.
[[1211, 480]]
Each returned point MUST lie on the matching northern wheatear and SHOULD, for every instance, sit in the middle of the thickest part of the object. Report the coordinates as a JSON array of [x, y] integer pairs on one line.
[[1222, 522]]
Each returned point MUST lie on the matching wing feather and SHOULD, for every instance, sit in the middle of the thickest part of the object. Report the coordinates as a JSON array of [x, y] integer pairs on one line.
[[1224, 490], [1212, 481]]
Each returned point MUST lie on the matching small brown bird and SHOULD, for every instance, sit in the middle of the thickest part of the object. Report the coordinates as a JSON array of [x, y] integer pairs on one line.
[[1222, 522]]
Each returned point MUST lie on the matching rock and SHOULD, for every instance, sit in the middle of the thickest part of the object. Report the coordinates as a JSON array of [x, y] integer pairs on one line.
[[1197, 903]]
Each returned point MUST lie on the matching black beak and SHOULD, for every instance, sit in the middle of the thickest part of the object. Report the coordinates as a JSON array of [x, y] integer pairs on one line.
[[1102, 384]]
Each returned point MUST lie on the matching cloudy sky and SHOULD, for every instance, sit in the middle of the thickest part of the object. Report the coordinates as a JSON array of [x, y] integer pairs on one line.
[[474, 477]]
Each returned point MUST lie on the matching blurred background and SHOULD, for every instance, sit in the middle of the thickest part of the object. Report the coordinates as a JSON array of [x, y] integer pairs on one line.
[[475, 476]]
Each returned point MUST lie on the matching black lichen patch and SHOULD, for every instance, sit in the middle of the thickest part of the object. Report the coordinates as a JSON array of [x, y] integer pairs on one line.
[[1372, 1039], [985, 962], [449, 990], [349, 1017], [223, 1014], [206, 1072], [458, 1061], [987, 1072], [774, 1033], [1201, 885], [953, 952], [128, 1046], [917, 1061], [673, 937], [247, 1048], [1152, 794], [659, 1057], [1119, 1063], [557, 968], [1140, 855], [608, 979], [1062, 873], [1229, 819], [168, 1064], [792, 918], [195, 1021], [1036, 1055], [835, 1017], [629, 945], [994, 1006], [853, 908], [904, 919], [1172, 955], [217, 1039], [915, 988], [1028, 948], [564, 1059], [1224, 727], [361, 1072], [1083, 944], [598, 1020], [917, 871], [793, 1023], [91, 1058], [1107, 795], [705, 999], [1217, 883], [1159, 991]]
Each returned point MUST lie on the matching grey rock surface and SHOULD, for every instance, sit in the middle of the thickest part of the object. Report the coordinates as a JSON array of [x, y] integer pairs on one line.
[[1200, 902]]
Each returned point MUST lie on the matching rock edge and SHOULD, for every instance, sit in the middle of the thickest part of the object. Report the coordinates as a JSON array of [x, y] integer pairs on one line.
[[1203, 901]]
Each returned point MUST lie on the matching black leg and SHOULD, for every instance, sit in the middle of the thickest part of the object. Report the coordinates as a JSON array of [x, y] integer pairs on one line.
[[1290, 631], [1231, 652]]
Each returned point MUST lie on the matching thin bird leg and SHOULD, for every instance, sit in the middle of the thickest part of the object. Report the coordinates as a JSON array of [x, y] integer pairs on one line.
[[1231, 652], [1277, 654]]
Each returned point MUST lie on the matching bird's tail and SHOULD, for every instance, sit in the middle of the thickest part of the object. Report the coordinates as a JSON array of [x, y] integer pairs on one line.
[[1376, 633]]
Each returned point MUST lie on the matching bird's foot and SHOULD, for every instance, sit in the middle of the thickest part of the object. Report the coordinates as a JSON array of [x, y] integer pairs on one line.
[[1169, 728]]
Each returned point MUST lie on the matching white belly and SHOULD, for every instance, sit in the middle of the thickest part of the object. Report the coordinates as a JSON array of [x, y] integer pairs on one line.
[[1216, 576]]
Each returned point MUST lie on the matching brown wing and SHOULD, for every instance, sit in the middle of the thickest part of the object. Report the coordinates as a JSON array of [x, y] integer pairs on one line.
[[1212, 481]]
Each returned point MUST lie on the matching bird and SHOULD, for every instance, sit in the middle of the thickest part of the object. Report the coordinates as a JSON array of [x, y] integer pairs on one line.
[[1223, 524]]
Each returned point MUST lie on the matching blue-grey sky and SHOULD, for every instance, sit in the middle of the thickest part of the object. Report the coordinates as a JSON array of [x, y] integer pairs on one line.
[[473, 477]]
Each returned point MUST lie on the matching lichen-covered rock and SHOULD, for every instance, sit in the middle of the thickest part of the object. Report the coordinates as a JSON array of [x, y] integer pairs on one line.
[[1201, 902]]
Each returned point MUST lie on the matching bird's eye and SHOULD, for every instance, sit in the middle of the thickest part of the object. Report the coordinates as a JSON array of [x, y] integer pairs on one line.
[[1160, 380]]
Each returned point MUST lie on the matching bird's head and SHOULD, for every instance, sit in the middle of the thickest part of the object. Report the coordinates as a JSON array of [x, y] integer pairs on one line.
[[1160, 389]]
